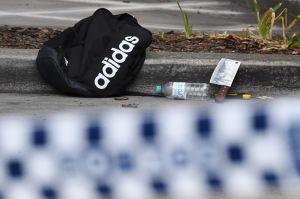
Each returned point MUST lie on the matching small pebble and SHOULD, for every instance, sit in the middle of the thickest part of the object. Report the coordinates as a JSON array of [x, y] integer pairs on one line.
[[130, 105]]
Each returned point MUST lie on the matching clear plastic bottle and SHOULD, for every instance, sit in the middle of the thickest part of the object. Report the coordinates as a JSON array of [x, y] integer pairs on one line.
[[184, 90]]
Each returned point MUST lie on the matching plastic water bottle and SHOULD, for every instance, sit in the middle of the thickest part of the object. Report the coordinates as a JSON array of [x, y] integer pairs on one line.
[[184, 90]]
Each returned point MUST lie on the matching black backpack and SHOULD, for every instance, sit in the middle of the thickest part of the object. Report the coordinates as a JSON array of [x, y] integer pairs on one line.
[[98, 57]]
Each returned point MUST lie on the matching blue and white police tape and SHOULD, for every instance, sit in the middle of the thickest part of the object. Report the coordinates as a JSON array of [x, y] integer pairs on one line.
[[232, 150]]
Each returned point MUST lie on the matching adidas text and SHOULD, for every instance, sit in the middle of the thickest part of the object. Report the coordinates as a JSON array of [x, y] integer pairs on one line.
[[112, 65]]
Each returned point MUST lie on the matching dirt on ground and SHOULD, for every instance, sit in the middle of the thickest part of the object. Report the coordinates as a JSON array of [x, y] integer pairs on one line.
[[34, 37]]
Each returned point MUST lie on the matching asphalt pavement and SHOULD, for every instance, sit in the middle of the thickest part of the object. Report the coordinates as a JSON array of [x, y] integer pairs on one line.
[[157, 15]]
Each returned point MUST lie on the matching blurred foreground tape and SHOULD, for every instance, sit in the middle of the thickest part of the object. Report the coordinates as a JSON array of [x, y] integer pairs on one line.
[[177, 153]]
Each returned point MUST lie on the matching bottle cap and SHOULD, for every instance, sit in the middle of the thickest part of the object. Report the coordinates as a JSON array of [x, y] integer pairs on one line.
[[158, 89]]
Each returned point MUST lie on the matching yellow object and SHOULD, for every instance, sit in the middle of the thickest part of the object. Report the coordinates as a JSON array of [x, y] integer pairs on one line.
[[244, 96]]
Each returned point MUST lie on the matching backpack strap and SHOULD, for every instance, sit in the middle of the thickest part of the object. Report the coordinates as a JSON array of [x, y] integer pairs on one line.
[[58, 40], [49, 65]]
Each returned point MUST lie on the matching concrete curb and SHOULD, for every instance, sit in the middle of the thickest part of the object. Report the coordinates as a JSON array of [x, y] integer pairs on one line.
[[259, 74]]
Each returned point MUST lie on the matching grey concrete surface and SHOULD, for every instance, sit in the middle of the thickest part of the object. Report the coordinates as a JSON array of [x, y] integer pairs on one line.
[[292, 5], [274, 75], [40, 105], [157, 15], [259, 74]]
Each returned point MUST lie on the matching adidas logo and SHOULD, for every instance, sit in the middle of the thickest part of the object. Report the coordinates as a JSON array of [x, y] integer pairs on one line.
[[112, 65]]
